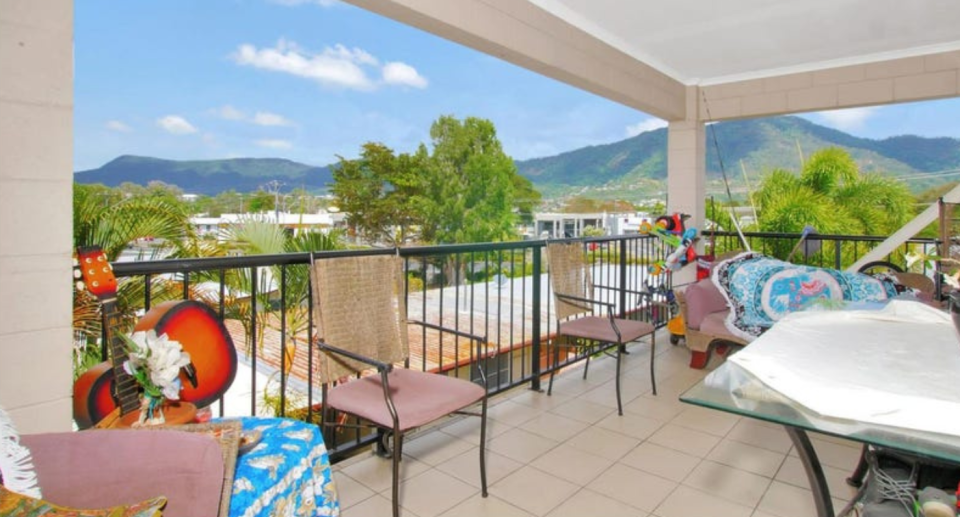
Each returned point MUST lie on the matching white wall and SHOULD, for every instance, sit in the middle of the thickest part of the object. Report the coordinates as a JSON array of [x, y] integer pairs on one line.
[[36, 184]]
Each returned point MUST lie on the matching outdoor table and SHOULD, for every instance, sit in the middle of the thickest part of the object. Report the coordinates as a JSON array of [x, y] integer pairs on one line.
[[860, 375]]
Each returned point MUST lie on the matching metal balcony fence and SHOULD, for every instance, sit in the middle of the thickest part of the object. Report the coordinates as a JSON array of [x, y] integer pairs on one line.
[[498, 290]]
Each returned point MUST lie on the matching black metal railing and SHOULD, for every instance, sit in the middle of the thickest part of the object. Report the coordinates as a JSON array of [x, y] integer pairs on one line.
[[498, 290], [831, 251]]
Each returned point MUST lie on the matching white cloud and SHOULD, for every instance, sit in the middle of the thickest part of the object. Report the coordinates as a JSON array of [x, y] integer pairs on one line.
[[229, 112], [275, 144], [176, 124], [116, 125], [848, 119], [322, 3], [403, 74], [337, 66], [265, 118], [261, 118], [645, 125]]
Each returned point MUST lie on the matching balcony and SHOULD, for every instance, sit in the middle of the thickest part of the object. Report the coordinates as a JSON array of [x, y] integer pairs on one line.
[[661, 458]]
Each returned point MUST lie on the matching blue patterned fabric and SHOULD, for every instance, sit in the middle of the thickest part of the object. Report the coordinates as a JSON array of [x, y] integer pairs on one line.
[[286, 474], [760, 290]]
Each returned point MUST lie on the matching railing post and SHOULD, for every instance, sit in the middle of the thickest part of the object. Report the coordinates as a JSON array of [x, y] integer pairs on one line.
[[836, 253], [535, 330], [623, 278]]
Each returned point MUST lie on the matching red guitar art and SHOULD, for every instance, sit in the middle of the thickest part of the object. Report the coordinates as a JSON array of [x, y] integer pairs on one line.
[[106, 388]]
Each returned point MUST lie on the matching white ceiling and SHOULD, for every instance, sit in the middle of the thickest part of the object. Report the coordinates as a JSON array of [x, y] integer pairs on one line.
[[715, 41]]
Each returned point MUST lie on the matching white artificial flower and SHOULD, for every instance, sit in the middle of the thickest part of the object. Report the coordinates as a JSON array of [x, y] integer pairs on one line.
[[953, 280], [913, 258], [159, 359]]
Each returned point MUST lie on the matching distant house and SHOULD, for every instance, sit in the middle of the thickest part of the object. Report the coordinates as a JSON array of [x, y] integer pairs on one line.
[[567, 226]]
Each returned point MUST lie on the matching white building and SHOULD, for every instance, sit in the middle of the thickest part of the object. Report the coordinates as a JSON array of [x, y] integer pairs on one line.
[[320, 221], [567, 226]]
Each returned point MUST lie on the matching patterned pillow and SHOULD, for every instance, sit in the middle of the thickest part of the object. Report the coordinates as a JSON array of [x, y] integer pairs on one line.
[[16, 505]]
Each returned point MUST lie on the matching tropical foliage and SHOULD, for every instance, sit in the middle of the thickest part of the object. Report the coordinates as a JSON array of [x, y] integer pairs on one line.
[[834, 197], [114, 221]]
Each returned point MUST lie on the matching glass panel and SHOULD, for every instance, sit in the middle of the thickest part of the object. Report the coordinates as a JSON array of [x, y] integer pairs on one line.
[[732, 389]]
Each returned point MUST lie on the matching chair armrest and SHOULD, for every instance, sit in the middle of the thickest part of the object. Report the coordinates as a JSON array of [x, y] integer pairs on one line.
[[569, 298], [698, 300], [475, 337], [379, 365], [480, 340]]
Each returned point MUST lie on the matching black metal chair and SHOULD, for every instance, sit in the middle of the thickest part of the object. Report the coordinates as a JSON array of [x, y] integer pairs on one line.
[[583, 321], [362, 326]]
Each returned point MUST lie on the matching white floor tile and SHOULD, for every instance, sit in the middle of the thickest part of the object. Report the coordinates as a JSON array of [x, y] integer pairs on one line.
[[534, 491], [687, 502], [664, 462], [633, 487]]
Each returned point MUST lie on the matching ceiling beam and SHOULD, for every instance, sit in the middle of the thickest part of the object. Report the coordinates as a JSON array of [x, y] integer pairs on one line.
[[909, 79], [526, 35]]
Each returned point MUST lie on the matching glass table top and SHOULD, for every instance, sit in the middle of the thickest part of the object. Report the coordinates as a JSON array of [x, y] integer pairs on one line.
[[733, 389]]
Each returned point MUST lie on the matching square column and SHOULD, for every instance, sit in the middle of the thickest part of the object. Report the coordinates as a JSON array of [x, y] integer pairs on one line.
[[36, 213], [687, 173]]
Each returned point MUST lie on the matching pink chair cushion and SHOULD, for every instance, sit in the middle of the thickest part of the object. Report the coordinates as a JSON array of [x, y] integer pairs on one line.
[[419, 397], [713, 324], [102, 468], [597, 328], [703, 298]]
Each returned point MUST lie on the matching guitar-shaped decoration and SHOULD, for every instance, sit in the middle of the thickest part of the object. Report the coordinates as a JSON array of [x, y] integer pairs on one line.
[[106, 385], [194, 325], [202, 334]]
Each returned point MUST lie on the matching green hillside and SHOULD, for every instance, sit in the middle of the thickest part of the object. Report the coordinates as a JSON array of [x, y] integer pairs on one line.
[[639, 163], [209, 176]]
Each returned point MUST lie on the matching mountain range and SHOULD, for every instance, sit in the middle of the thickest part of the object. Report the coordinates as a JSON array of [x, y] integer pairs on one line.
[[209, 177], [630, 168]]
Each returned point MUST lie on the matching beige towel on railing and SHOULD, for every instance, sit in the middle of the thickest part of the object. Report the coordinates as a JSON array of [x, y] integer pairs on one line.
[[359, 306], [570, 276]]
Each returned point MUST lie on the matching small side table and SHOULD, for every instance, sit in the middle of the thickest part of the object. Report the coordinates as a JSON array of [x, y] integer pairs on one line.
[[289, 468]]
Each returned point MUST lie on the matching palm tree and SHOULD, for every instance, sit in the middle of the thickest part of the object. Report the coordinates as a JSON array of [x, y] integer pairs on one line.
[[833, 196], [257, 237]]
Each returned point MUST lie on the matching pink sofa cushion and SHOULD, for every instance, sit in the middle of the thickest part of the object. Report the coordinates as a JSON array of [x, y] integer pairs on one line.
[[419, 397], [101, 468], [715, 325], [703, 298]]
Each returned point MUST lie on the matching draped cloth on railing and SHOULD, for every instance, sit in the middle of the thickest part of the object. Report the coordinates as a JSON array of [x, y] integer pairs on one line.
[[761, 290]]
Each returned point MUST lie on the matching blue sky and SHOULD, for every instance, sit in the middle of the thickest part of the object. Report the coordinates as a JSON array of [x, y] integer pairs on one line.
[[309, 80]]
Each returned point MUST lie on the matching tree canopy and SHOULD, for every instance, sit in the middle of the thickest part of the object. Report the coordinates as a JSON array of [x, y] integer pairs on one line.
[[376, 191], [465, 189], [833, 196]]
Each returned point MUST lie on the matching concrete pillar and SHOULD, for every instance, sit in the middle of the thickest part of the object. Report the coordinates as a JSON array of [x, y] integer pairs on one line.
[[36, 193], [687, 172]]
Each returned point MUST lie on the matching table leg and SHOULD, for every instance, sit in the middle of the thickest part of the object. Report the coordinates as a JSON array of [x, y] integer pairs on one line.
[[811, 464]]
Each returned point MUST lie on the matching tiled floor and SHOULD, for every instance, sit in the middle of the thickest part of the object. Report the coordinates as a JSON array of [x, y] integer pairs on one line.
[[571, 455]]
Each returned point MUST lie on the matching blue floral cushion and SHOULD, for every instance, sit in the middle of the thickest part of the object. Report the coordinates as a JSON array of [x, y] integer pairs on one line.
[[760, 290]]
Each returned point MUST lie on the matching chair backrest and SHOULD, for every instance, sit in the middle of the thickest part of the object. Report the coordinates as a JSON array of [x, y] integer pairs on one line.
[[569, 275], [359, 306]]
